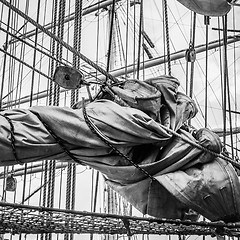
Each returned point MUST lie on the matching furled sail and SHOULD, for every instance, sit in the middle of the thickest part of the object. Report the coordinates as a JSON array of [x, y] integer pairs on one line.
[[173, 175], [208, 7]]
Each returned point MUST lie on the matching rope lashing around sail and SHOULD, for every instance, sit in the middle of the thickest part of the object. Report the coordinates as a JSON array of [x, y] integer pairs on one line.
[[12, 138], [57, 39], [197, 145], [59, 141], [94, 65], [96, 131], [18, 218], [100, 135]]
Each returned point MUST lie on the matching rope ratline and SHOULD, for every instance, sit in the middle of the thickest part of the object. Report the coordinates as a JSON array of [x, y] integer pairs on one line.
[[18, 218]]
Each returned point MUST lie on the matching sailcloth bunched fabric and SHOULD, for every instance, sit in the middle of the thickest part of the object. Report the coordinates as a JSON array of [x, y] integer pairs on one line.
[[185, 177], [208, 7]]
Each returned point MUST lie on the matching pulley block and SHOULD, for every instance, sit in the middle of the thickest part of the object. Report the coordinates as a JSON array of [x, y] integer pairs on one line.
[[69, 77], [11, 183], [190, 55]]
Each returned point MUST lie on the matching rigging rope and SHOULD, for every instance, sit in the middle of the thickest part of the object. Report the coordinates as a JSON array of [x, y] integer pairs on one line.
[[64, 44], [33, 220], [111, 33], [24, 63], [50, 56], [53, 98], [100, 135], [12, 139], [134, 38], [68, 191], [140, 38], [167, 36], [191, 57], [224, 87], [5, 57], [59, 141], [71, 168], [127, 31], [235, 85], [206, 22], [96, 131], [47, 174], [78, 54], [192, 63], [226, 80], [34, 53]]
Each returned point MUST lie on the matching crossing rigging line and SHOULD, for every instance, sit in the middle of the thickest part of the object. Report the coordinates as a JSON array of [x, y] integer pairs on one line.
[[61, 42], [74, 222]]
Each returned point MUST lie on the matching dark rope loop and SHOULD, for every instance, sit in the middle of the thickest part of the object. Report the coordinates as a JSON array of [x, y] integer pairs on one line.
[[59, 140], [12, 139], [101, 136]]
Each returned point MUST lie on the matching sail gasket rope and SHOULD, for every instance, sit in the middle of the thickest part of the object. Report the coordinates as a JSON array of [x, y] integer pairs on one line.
[[97, 67], [58, 140], [100, 135], [199, 146], [12, 138]]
